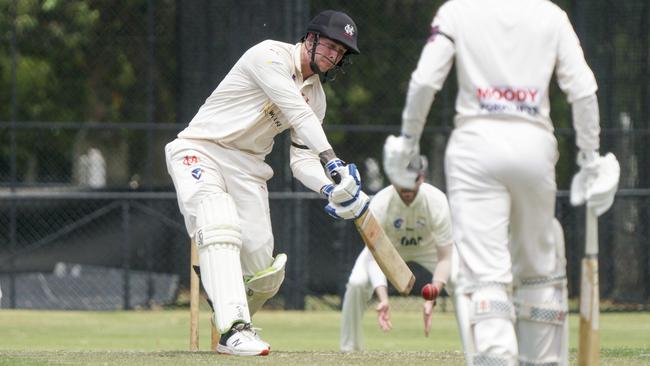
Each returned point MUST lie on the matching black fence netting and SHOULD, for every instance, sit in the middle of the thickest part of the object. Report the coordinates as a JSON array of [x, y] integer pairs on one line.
[[91, 91]]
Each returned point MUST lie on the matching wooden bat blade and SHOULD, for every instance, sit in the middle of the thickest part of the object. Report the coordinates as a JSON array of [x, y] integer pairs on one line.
[[589, 347], [589, 344], [385, 254]]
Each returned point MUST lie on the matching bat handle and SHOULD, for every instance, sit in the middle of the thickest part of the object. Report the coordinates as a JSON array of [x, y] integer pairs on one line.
[[591, 247]]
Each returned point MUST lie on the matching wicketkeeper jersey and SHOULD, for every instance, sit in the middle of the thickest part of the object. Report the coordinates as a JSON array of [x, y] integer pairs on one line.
[[417, 228]]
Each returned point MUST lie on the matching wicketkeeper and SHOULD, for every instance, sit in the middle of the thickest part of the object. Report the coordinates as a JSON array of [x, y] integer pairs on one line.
[[417, 222], [511, 294], [218, 168]]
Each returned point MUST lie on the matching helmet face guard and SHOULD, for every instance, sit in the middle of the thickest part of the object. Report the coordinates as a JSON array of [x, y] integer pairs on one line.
[[338, 27]]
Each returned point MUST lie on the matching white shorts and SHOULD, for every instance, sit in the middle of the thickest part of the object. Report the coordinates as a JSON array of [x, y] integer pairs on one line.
[[501, 188], [200, 168]]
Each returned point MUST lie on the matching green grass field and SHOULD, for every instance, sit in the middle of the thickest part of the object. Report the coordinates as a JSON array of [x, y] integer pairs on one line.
[[34, 338]]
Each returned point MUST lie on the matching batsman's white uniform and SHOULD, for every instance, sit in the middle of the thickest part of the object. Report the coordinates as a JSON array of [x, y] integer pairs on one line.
[[415, 230], [500, 159], [217, 165]]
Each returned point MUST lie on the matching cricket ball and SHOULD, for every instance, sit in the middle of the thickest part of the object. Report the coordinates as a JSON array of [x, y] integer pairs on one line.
[[429, 292]]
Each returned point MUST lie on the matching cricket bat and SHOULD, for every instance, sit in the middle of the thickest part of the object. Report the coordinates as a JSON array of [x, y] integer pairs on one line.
[[385, 254], [589, 344]]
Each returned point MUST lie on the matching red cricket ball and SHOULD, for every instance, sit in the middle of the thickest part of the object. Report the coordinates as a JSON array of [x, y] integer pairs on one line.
[[429, 292]]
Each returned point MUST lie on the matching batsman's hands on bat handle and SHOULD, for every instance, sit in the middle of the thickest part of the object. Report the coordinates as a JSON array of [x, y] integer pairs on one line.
[[398, 154], [383, 316], [596, 182], [347, 182], [348, 210]]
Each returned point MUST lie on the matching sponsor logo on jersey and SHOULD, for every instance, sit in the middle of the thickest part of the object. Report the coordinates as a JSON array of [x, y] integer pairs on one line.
[[197, 173], [410, 241], [507, 99], [272, 112]]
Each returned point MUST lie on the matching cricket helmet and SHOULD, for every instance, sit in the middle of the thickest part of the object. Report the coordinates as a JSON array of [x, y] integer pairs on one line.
[[336, 26]]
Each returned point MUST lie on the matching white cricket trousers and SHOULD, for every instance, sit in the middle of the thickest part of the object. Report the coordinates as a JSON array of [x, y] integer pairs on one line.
[[501, 188], [200, 168]]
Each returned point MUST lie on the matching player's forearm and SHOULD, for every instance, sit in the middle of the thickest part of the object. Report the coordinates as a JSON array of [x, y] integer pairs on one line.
[[434, 65], [418, 103], [382, 293], [311, 133], [443, 268], [586, 122], [326, 156], [309, 172]]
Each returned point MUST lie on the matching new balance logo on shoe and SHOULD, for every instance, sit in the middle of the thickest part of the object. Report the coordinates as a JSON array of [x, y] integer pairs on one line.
[[241, 340]]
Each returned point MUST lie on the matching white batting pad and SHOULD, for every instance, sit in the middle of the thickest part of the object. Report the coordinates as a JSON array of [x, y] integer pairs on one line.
[[218, 238], [542, 314], [485, 320], [265, 284]]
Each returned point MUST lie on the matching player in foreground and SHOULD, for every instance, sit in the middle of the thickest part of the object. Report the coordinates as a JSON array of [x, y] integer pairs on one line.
[[417, 222], [511, 294], [217, 165]]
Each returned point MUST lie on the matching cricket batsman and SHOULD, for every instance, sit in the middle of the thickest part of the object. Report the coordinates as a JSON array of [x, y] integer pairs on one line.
[[418, 223], [511, 293], [218, 168]]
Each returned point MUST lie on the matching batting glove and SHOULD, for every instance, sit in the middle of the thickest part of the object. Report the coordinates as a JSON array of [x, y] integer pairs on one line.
[[596, 182], [351, 210], [398, 153], [347, 179]]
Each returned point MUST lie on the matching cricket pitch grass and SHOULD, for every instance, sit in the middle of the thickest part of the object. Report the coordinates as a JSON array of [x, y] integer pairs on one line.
[[161, 337]]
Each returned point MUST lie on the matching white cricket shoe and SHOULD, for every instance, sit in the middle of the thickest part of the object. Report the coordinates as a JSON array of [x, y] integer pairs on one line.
[[241, 340]]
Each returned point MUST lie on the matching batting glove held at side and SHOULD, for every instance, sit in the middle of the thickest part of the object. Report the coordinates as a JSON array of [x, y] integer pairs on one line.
[[398, 153], [351, 210], [596, 183], [347, 179]]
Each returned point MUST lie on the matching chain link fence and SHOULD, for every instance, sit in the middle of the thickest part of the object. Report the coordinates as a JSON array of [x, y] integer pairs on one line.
[[91, 91]]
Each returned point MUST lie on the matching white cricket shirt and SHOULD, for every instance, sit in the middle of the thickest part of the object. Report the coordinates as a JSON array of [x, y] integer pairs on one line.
[[505, 53], [417, 228], [263, 95]]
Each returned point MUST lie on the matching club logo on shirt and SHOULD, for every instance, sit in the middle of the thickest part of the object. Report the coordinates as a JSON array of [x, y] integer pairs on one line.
[[434, 32], [190, 160], [197, 173], [398, 223], [420, 222]]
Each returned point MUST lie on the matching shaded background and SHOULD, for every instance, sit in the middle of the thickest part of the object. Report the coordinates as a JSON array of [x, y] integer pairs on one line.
[[91, 91]]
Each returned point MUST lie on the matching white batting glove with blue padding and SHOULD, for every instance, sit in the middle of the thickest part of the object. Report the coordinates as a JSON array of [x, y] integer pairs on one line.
[[398, 154], [347, 179], [351, 210]]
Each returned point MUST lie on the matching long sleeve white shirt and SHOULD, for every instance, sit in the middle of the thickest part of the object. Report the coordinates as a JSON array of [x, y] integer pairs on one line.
[[263, 95], [505, 53]]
